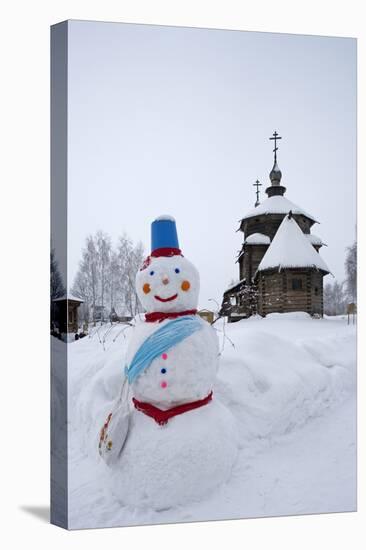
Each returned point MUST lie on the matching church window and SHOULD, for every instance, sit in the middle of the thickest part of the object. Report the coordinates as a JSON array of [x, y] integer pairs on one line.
[[296, 284]]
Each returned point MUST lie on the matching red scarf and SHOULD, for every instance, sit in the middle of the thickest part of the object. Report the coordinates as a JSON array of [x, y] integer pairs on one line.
[[162, 417], [161, 315]]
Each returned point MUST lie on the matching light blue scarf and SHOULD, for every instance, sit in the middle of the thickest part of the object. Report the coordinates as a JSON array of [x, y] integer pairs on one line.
[[167, 336]]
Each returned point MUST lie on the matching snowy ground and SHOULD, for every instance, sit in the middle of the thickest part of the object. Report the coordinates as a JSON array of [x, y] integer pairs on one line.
[[288, 379]]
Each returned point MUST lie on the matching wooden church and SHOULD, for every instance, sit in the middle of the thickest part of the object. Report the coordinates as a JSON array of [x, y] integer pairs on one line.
[[280, 268]]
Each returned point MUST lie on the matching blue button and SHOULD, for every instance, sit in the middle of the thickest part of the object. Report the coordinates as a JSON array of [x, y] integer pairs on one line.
[[163, 371]]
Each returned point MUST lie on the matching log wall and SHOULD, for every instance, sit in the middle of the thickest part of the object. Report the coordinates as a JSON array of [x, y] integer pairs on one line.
[[251, 259], [276, 293], [268, 224]]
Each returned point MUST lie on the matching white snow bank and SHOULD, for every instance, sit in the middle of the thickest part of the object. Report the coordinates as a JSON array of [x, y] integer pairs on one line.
[[292, 315], [283, 371], [287, 372]]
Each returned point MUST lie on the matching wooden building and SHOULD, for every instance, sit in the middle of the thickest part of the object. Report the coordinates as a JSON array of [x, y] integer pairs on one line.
[[65, 314], [290, 275], [292, 282]]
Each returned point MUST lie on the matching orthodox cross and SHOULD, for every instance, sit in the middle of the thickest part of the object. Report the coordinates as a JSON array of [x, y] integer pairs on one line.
[[257, 185], [275, 138]]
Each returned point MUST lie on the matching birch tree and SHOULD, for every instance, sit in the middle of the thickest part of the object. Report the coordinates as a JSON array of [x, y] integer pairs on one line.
[[334, 299], [86, 281], [129, 261], [103, 250], [351, 272], [106, 275]]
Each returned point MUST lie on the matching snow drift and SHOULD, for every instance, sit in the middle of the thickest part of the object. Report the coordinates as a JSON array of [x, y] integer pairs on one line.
[[276, 376]]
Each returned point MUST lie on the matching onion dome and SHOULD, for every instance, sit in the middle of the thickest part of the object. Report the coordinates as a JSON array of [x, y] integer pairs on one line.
[[275, 175]]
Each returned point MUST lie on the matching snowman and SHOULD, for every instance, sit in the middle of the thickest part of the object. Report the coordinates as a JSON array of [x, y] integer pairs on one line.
[[182, 442]]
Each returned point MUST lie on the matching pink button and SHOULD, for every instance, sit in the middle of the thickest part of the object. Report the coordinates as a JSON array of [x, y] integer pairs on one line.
[[165, 356], [163, 384]]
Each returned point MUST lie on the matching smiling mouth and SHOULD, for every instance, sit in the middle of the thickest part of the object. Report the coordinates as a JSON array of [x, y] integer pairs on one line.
[[166, 299]]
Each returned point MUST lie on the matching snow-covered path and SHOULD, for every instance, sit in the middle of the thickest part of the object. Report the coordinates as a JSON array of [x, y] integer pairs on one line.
[[295, 402], [309, 471]]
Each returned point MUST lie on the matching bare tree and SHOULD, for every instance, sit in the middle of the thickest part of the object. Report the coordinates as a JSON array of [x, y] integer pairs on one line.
[[334, 298], [135, 264], [86, 281], [107, 276], [103, 249], [350, 265], [129, 261], [82, 289], [113, 281]]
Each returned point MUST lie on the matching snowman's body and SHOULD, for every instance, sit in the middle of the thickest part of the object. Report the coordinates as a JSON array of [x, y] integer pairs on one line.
[[181, 374], [186, 458]]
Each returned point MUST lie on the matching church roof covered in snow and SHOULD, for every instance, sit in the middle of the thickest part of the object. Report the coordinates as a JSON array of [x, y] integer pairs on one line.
[[257, 238], [277, 204], [234, 285], [291, 249], [314, 239]]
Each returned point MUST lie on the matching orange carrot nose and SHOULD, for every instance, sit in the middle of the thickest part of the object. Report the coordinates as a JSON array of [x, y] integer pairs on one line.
[[165, 280]]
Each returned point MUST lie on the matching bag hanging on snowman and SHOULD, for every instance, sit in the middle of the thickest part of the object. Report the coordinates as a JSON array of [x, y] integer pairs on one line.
[[114, 431]]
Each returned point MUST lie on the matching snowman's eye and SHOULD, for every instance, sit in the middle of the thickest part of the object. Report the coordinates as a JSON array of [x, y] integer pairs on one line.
[[152, 272], [177, 270]]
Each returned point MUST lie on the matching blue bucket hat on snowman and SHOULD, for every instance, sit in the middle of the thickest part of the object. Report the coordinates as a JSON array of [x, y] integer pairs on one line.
[[164, 239]]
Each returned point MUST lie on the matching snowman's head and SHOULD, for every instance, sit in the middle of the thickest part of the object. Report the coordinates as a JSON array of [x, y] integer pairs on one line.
[[168, 284]]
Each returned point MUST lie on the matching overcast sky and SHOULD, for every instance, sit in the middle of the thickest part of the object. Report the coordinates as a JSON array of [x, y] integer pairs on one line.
[[166, 120]]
